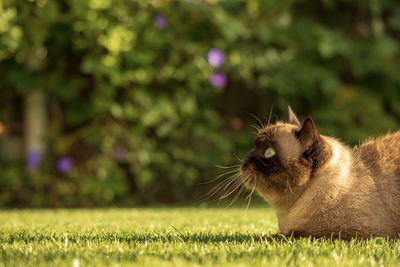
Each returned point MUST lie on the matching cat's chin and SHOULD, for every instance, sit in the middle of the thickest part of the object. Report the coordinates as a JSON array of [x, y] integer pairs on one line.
[[249, 177], [253, 179]]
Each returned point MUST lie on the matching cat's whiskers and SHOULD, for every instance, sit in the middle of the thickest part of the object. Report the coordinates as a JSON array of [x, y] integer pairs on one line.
[[237, 185], [226, 186], [262, 125], [250, 195], [258, 129], [237, 157], [221, 175], [227, 167], [270, 114], [233, 183], [236, 196], [248, 178], [216, 190], [240, 191]]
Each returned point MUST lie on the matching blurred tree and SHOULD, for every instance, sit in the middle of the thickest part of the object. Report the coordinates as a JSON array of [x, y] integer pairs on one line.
[[142, 98]]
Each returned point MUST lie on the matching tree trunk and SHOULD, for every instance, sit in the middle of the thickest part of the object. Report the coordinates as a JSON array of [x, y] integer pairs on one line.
[[35, 120]]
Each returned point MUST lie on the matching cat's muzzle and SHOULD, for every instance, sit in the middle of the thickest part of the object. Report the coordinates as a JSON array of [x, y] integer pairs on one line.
[[251, 157]]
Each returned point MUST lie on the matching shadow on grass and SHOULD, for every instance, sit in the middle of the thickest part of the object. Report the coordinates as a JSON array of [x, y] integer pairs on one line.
[[159, 237], [126, 237]]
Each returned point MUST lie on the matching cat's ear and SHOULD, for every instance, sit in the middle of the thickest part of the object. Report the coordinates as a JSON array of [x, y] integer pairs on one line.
[[292, 117], [308, 134]]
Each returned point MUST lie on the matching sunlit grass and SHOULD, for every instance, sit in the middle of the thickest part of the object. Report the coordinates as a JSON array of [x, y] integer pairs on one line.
[[171, 237]]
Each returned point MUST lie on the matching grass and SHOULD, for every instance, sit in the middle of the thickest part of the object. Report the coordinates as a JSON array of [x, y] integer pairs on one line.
[[171, 237]]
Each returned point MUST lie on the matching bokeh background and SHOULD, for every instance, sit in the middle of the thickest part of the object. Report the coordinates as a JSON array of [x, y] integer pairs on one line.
[[132, 102]]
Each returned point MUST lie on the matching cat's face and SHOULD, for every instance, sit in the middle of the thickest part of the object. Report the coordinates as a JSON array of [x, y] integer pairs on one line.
[[282, 158]]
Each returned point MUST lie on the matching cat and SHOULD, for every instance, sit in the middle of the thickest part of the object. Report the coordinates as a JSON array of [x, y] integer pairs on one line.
[[322, 188]]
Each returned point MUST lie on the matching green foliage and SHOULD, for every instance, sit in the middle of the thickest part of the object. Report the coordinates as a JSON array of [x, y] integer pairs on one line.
[[115, 80], [172, 237]]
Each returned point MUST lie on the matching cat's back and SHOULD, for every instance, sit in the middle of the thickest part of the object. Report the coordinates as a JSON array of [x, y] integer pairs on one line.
[[380, 155], [378, 160]]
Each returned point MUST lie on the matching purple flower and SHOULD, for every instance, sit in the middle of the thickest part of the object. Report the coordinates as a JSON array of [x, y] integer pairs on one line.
[[218, 79], [119, 154], [64, 164], [33, 159], [160, 21], [215, 57]]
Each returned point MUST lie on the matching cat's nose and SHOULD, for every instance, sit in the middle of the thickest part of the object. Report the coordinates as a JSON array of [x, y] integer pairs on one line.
[[251, 156]]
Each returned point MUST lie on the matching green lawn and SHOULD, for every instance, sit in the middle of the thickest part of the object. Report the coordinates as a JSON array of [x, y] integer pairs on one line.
[[171, 237]]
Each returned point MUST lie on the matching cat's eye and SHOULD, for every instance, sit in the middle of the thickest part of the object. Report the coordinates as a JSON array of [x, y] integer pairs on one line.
[[269, 152]]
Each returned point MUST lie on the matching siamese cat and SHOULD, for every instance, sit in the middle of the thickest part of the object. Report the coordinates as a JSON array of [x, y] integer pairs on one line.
[[323, 188]]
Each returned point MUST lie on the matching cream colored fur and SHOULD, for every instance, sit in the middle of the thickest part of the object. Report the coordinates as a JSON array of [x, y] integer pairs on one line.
[[342, 197]]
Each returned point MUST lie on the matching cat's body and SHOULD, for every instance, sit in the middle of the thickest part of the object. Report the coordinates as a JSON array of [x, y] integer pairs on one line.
[[322, 188], [357, 193]]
